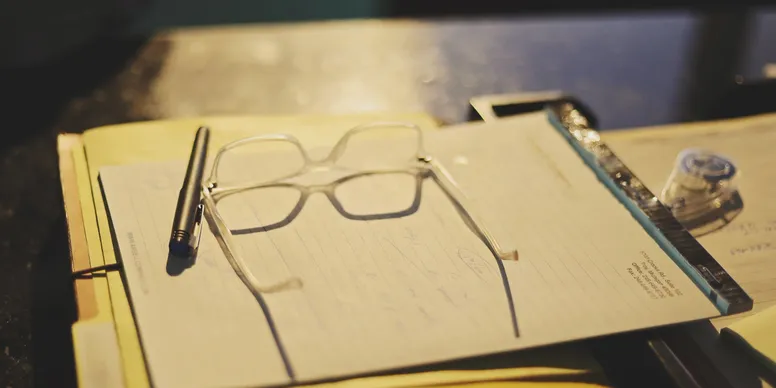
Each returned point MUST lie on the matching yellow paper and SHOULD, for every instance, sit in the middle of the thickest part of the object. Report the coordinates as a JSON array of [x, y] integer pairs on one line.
[[477, 378], [757, 334], [94, 338]]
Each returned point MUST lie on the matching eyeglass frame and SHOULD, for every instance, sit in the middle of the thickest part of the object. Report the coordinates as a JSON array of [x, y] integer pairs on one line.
[[211, 190]]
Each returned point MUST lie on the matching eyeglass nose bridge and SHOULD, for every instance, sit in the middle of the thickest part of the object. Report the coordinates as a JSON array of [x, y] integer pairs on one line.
[[316, 165], [324, 188]]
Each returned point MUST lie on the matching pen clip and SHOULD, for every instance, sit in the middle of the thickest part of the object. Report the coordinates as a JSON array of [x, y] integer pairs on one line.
[[197, 235]]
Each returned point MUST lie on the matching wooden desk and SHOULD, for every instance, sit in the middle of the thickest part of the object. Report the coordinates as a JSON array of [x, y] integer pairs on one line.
[[336, 67]]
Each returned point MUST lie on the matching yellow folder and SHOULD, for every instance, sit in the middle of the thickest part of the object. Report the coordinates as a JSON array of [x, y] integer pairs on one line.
[[107, 348], [755, 334]]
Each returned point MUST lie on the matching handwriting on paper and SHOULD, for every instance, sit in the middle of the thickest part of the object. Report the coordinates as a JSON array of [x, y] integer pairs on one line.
[[764, 232], [753, 248], [752, 228]]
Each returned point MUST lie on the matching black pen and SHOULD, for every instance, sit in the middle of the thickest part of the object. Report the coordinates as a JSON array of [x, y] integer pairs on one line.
[[189, 210]]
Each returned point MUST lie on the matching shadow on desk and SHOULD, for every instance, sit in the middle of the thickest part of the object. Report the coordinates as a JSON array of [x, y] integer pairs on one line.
[[37, 307]]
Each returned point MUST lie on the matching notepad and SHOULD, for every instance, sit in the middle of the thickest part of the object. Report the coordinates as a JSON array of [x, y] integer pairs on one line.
[[391, 292]]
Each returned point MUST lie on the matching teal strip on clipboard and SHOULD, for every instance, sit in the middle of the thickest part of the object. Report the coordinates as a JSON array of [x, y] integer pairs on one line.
[[655, 218]]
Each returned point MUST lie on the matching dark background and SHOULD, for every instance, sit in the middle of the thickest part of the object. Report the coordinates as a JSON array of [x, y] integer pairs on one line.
[[70, 66]]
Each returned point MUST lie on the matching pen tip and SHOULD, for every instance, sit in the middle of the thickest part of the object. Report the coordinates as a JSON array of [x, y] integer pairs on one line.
[[179, 250]]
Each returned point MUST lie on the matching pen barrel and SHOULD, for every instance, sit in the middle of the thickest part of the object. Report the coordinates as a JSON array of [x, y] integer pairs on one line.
[[189, 197]]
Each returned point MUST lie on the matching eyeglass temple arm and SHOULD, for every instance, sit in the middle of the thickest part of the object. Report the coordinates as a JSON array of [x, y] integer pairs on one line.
[[450, 186]]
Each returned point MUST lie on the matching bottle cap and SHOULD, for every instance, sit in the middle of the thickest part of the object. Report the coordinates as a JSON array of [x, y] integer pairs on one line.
[[700, 185]]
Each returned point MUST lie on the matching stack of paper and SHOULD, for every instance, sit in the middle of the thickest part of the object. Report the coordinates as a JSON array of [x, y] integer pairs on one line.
[[418, 288], [107, 348]]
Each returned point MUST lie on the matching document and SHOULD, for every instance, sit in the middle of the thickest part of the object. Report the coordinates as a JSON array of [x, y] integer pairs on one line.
[[392, 274], [745, 247]]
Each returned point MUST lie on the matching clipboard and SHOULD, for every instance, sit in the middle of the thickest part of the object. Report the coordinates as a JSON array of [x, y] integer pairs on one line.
[[561, 119], [680, 357]]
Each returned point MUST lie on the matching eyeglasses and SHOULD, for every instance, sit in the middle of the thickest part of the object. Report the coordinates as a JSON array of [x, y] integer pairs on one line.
[[356, 158], [355, 151]]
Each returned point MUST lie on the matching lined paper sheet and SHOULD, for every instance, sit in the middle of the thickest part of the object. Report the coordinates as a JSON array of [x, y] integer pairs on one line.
[[746, 247], [387, 292]]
